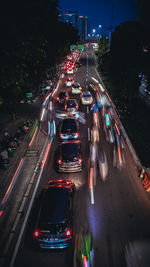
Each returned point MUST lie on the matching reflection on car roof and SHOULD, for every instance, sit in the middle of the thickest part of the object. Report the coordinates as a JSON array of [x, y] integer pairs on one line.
[[54, 205]]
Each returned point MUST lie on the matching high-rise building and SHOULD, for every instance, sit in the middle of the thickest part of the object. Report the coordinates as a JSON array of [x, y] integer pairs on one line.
[[80, 23]]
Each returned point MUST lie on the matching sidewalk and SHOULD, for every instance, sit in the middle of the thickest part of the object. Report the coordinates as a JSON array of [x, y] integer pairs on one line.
[[24, 112]]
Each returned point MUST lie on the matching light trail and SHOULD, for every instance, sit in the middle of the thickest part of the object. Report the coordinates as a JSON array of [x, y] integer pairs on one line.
[[12, 181], [33, 136]]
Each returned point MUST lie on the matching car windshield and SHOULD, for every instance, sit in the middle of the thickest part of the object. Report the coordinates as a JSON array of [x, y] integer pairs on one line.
[[69, 151], [86, 94], [76, 85], [69, 125]]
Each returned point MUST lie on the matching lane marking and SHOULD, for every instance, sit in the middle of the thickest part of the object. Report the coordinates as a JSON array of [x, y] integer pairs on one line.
[[89, 137]]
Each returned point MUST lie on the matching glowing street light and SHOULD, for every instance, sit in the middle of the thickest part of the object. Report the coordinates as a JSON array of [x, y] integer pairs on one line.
[[100, 26], [94, 30]]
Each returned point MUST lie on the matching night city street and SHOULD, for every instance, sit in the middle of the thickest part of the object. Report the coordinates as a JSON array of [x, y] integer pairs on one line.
[[74, 151]]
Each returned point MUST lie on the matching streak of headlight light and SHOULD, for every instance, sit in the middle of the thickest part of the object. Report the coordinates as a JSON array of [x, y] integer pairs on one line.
[[91, 185], [50, 106], [118, 131], [52, 129], [108, 96], [45, 157], [119, 154], [55, 89], [85, 261], [46, 98], [42, 115], [33, 136], [11, 183], [95, 80], [54, 124], [101, 87], [93, 87], [49, 127], [118, 143]]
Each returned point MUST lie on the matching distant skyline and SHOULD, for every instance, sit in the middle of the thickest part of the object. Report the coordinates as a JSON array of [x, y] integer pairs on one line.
[[99, 12]]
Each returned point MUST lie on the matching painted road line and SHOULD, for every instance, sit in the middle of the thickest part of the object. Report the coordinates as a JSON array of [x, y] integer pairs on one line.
[[89, 137]]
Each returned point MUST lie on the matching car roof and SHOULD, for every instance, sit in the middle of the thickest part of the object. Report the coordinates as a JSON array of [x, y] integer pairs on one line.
[[69, 123], [54, 205]]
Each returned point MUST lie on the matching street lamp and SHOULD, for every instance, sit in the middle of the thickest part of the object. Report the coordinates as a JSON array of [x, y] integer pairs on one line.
[[94, 30]]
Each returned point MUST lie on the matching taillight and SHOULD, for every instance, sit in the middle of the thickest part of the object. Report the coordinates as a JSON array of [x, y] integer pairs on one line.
[[36, 233], [66, 97], [59, 161], [65, 106], [57, 98], [76, 134], [80, 160], [68, 232]]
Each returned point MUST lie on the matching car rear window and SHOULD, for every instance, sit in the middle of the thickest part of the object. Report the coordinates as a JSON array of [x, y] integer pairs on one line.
[[69, 150], [71, 104], [62, 94], [69, 124]]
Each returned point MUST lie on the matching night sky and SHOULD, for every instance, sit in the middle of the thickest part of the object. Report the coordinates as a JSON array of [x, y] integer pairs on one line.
[[99, 11]]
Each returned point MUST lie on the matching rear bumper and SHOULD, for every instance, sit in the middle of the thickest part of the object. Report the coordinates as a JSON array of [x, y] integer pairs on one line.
[[61, 244], [70, 168]]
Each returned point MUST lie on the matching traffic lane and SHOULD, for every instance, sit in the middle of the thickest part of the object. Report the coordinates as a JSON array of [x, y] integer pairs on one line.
[[125, 206], [120, 212], [30, 257]]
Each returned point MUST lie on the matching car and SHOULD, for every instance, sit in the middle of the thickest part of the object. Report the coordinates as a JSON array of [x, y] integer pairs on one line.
[[71, 105], [69, 82], [69, 159], [86, 98], [70, 70], [69, 129], [76, 88], [53, 228], [62, 97]]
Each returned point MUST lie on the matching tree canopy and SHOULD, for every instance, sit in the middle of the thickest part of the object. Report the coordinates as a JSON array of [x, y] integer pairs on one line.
[[32, 41]]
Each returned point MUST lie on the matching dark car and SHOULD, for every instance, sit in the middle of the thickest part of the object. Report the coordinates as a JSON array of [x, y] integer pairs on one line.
[[62, 97], [71, 105], [69, 159], [54, 221], [69, 129]]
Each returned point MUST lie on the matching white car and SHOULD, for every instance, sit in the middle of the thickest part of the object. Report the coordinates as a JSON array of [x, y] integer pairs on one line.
[[69, 82], [86, 98], [76, 88], [70, 71]]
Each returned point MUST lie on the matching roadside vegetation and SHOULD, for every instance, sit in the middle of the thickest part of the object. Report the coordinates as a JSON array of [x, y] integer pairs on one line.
[[120, 68], [33, 42]]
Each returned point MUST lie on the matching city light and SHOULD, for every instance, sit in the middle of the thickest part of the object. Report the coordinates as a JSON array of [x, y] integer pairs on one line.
[[94, 30]]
